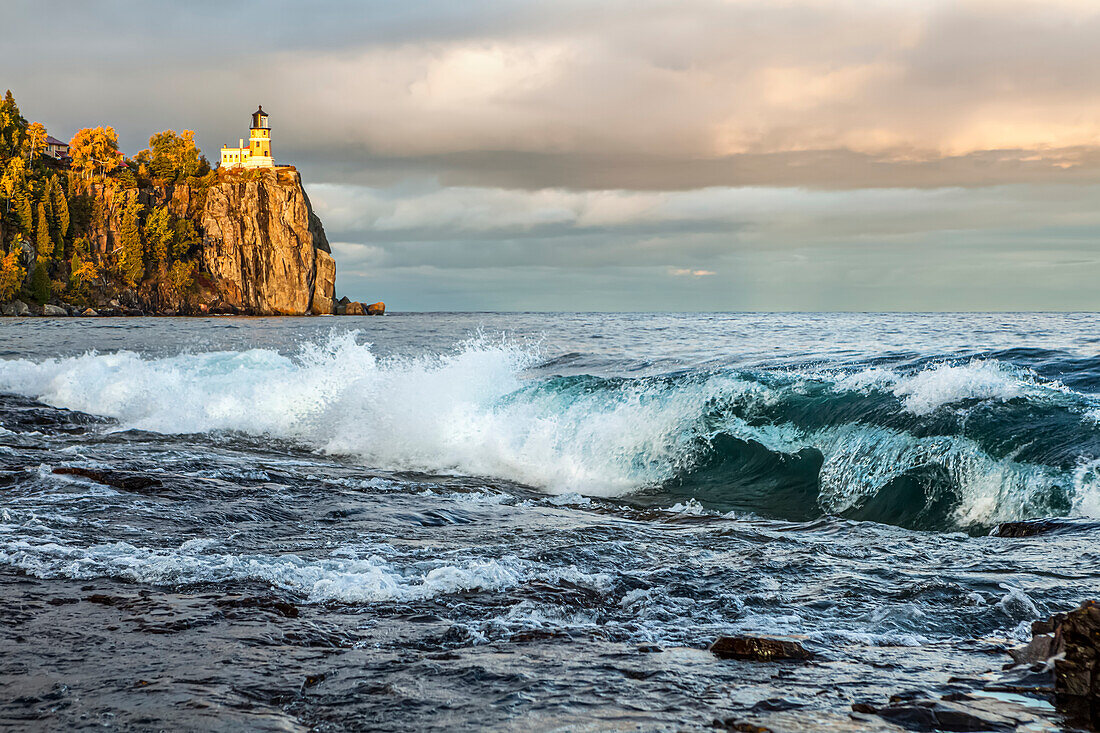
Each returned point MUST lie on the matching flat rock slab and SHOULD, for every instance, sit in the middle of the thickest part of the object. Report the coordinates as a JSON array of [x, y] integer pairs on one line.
[[807, 720], [962, 713]]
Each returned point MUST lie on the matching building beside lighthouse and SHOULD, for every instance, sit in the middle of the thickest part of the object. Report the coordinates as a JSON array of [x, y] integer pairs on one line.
[[257, 154]]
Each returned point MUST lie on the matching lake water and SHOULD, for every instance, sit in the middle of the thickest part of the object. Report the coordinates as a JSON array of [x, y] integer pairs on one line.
[[530, 521]]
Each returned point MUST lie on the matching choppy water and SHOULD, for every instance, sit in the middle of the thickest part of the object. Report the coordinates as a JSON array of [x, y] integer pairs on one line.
[[529, 521]]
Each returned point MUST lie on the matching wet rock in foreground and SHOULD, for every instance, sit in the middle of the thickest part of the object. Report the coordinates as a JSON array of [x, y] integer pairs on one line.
[[125, 480], [959, 713], [760, 648], [1076, 655], [1038, 527]]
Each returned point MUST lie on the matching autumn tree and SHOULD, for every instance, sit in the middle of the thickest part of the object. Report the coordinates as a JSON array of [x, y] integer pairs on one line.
[[131, 261], [11, 270], [13, 183], [94, 149], [34, 142], [14, 175], [171, 157], [181, 275], [81, 268]]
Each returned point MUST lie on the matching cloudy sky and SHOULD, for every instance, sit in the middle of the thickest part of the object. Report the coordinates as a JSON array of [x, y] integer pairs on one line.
[[630, 155]]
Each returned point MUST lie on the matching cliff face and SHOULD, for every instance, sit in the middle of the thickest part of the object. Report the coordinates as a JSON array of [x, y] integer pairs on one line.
[[263, 247], [256, 247]]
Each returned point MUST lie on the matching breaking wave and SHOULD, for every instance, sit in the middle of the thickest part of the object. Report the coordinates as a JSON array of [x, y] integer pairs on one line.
[[933, 446]]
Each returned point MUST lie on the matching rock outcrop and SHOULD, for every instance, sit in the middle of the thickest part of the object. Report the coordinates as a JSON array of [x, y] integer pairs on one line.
[[760, 648], [345, 307], [1062, 658], [15, 308], [1076, 654], [264, 249]]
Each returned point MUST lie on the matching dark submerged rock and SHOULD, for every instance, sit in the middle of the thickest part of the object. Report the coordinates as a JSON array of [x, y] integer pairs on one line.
[[760, 648], [1037, 527], [133, 482]]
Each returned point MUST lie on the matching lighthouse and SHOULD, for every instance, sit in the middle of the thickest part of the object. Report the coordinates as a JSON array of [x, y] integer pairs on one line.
[[258, 152]]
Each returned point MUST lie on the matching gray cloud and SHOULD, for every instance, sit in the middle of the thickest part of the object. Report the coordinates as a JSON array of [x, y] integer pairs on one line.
[[590, 95], [513, 154]]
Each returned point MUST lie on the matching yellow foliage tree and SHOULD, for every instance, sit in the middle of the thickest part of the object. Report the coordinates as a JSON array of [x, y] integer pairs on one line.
[[11, 272], [94, 149], [82, 270], [35, 141], [171, 156], [181, 275]]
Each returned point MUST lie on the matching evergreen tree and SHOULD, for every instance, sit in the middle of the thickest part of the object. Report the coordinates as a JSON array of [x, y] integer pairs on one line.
[[12, 128], [40, 283], [81, 210], [81, 269], [43, 241], [185, 240], [60, 209], [126, 179], [131, 261], [22, 206], [159, 234]]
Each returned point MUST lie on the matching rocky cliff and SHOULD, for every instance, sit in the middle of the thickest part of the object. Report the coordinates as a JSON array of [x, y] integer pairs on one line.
[[263, 247], [237, 241]]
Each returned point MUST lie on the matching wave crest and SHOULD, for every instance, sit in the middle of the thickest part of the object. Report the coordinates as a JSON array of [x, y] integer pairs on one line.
[[873, 444]]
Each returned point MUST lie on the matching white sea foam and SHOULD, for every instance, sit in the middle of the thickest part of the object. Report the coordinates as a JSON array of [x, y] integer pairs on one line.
[[944, 384], [337, 577], [468, 411]]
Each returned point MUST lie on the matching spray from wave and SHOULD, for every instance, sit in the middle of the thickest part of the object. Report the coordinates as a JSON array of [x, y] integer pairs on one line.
[[945, 446]]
